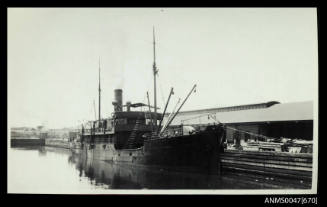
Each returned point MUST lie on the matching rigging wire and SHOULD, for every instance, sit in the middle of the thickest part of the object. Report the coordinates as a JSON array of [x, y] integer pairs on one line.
[[213, 116], [144, 97]]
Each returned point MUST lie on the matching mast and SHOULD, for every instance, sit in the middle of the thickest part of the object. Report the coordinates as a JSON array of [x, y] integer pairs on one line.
[[155, 71], [147, 94], [95, 113], [99, 93]]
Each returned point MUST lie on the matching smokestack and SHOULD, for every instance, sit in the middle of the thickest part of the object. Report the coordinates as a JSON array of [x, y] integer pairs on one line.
[[118, 103]]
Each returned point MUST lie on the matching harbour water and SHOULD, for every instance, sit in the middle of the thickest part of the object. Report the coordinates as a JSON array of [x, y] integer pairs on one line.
[[58, 170]]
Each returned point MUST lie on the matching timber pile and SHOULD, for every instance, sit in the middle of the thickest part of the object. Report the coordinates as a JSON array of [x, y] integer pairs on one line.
[[263, 146], [279, 164]]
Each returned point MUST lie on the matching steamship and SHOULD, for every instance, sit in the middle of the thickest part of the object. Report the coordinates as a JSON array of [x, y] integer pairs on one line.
[[135, 136]]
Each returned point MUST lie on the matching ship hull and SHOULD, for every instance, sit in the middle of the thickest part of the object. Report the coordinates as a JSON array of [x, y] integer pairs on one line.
[[198, 152]]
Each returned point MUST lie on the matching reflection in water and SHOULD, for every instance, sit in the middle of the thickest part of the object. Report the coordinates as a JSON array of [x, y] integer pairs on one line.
[[42, 151], [125, 176], [61, 169]]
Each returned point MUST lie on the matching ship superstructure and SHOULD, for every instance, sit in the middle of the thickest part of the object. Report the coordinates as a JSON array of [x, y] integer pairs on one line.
[[139, 137]]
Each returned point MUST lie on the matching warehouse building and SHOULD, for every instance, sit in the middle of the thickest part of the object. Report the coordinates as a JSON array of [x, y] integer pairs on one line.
[[271, 119]]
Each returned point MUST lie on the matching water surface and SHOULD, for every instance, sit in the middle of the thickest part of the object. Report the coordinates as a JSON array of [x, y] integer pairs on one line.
[[57, 170]]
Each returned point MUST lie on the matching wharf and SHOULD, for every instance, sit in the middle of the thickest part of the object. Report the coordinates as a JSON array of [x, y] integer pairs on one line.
[[275, 164], [57, 143]]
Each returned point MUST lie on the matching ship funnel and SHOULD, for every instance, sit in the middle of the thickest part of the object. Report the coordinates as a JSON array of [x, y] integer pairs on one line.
[[118, 103]]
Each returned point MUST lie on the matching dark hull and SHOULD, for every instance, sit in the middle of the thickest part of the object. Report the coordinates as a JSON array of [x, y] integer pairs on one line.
[[191, 153], [123, 176]]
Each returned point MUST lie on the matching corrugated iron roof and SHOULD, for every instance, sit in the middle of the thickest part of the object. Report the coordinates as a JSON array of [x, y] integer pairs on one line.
[[278, 112]]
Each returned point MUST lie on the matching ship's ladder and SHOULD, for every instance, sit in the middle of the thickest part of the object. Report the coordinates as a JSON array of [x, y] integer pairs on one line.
[[130, 144]]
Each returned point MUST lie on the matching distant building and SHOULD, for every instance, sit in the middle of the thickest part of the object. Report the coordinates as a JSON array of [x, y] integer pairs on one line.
[[43, 135], [23, 132], [271, 119]]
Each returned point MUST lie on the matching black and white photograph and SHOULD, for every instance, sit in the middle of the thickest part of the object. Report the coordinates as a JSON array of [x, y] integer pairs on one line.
[[162, 100]]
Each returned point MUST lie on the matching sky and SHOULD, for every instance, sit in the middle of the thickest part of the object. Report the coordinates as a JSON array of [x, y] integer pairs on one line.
[[235, 56]]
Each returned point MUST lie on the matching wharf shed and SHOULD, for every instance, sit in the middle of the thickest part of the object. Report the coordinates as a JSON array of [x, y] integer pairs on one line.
[[272, 119]]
